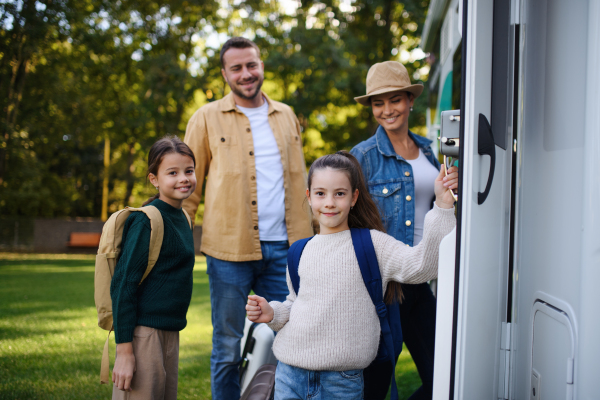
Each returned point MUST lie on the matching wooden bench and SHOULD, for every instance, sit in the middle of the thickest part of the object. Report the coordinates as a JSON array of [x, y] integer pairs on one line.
[[84, 239]]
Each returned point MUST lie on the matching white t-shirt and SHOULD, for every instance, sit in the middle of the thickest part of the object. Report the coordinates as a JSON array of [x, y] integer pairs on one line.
[[269, 175], [424, 175]]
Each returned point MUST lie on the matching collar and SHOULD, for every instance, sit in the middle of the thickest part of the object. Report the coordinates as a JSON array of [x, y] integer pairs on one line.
[[165, 208], [384, 145], [227, 104]]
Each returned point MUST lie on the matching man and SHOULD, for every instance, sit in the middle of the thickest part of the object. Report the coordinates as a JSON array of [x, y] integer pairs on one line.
[[249, 149]]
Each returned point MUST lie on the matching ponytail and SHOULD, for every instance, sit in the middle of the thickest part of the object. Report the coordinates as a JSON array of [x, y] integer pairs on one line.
[[151, 199], [162, 147], [365, 213]]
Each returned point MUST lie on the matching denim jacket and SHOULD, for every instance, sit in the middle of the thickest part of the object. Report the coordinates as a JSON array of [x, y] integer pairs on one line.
[[390, 181]]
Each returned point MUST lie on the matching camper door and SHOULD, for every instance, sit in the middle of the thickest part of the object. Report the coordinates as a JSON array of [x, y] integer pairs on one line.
[[473, 366]]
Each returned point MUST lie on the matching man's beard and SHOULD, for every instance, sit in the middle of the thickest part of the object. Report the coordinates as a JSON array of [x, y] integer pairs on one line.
[[241, 94]]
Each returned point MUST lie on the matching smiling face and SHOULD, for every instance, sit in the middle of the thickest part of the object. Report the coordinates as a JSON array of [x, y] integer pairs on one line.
[[244, 72], [391, 110], [330, 197], [175, 179]]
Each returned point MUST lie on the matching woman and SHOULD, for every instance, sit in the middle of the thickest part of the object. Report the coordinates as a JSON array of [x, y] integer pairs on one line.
[[400, 170]]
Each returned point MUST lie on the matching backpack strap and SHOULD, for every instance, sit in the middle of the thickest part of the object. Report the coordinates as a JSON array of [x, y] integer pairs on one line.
[[157, 234], [104, 366], [293, 260], [113, 227], [187, 216], [369, 268]]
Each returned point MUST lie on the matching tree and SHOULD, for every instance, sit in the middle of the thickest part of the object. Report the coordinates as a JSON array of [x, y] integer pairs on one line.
[[320, 60], [74, 73], [99, 69]]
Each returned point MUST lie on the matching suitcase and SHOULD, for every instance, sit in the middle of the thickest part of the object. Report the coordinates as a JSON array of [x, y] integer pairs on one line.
[[256, 349], [262, 385]]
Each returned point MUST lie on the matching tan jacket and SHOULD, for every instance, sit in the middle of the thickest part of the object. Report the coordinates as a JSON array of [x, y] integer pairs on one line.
[[219, 135]]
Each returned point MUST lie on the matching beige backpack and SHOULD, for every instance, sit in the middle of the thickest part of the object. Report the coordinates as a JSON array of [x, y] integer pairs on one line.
[[106, 260]]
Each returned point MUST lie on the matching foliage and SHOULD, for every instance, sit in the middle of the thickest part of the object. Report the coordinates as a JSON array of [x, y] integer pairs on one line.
[[322, 63], [50, 345], [76, 73]]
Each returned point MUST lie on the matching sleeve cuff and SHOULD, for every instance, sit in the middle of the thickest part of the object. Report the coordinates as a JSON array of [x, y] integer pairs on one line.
[[444, 210], [445, 217], [281, 316], [124, 335]]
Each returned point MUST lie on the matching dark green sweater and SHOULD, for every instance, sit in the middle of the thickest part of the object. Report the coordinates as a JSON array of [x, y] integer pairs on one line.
[[162, 300]]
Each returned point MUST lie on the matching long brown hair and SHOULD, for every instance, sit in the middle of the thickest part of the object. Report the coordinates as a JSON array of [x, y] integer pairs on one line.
[[162, 147], [365, 213]]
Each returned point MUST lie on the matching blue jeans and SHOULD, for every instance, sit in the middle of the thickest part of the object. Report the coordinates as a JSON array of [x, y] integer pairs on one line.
[[296, 383], [230, 283]]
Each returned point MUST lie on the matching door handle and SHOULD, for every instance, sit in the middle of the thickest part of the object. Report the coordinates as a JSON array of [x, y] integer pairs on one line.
[[449, 140], [486, 146]]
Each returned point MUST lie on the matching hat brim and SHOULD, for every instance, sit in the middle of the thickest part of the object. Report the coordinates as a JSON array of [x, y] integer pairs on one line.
[[415, 89]]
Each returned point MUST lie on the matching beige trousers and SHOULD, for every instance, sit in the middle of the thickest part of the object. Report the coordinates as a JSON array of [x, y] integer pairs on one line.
[[156, 360]]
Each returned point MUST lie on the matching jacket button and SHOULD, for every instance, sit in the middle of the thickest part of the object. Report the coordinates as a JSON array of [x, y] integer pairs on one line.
[[407, 173], [251, 153], [252, 177], [408, 223], [255, 227], [247, 129], [222, 139], [253, 202], [384, 190], [408, 198]]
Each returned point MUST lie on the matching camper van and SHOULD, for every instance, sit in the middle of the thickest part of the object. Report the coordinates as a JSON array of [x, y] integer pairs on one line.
[[514, 96]]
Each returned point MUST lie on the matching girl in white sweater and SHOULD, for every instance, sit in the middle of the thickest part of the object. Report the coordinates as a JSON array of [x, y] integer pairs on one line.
[[329, 332]]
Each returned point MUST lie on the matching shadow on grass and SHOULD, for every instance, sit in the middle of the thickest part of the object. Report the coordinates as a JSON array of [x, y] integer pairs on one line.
[[50, 346], [27, 288], [64, 370], [38, 263], [18, 392], [30, 291]]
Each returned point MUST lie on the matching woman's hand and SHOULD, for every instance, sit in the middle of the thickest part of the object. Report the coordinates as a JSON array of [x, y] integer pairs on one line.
[[259, 309], [443, 185], [124, 367]]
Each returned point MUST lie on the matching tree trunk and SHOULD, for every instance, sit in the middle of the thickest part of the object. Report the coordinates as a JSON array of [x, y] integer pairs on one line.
[[386, 47], [20, 60], [15, 94], [129, 177]]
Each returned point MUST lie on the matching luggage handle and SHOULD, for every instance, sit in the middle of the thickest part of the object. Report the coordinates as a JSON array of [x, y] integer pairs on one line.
[[248, 347]]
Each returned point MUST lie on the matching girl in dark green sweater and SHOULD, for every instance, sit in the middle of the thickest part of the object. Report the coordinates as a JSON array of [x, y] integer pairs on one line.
[[149, 316]]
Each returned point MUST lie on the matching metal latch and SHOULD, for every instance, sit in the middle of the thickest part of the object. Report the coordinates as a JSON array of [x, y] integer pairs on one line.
[[449, 139], [504, 370]]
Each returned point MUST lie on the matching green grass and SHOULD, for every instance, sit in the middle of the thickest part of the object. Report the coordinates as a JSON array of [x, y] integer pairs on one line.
[[50, 345], [407, 377]]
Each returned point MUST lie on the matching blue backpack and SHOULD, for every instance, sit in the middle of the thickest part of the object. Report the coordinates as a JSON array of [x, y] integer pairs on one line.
[[390, 341]]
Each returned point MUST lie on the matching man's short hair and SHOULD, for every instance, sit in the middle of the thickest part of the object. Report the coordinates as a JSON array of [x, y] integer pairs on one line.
[[237, 43]]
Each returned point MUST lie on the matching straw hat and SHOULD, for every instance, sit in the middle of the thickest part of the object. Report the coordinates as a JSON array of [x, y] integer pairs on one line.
[[388, 76]]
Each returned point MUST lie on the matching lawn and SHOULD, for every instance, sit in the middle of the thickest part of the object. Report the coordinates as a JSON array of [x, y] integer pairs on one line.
[[50, 345]]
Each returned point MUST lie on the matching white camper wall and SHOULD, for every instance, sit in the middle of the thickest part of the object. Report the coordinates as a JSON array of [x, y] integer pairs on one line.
[[551, 169], [588, 364], [554, 323]]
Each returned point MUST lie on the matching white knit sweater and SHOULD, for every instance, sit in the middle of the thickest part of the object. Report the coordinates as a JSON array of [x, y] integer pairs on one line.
[[332, 323]]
